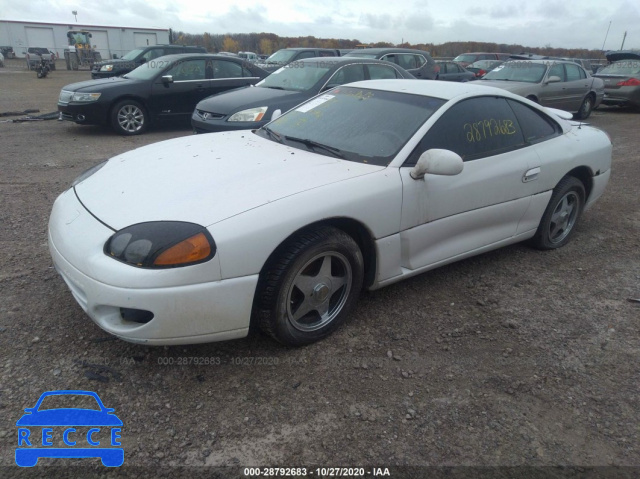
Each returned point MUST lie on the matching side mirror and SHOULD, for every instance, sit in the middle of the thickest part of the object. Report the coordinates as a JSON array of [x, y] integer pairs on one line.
[[143, 60], [115, 56], [167, 79], [437, 162], [554, 79]]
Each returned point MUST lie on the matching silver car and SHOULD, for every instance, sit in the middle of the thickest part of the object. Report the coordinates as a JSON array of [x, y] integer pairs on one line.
[[554, 83]]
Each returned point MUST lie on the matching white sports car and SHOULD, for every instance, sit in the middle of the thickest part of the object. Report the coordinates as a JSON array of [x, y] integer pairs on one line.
[[190, 240]]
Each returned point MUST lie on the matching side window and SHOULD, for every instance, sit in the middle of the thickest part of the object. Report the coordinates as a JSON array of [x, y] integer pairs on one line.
[[536, 127], [326, 54], [153, 53], [390, 58], [226, 69], [302, 55], [557, 70], [573, 72], [456, 68], [420, 60], [246, 72], [407, 61], [188, 70], [347, 74], [381, 72], [474, 128]]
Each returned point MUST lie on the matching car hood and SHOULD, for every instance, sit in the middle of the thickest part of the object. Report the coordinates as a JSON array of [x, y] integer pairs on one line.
[[243, 98], [205, 179], [97, 85], [512, 86], [115, 61]]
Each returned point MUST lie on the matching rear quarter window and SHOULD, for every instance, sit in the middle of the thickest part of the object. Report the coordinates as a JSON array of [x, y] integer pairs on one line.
[[536, 126]]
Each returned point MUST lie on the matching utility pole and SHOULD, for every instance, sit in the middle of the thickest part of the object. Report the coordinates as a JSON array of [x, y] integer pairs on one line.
[[75, 14], [605, 37], [623, 39]]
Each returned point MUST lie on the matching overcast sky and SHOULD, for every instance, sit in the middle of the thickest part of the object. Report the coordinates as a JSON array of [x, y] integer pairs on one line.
[[568, 23]]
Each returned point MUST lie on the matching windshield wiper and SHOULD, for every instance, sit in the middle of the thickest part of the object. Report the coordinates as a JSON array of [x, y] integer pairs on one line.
[[314, 144], [272, 134]]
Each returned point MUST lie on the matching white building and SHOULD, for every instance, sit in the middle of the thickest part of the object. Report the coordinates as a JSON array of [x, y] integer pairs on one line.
[[108, 40]]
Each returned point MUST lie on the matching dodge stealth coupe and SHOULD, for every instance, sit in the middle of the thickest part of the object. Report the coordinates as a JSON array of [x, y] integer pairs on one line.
[[194, 239]]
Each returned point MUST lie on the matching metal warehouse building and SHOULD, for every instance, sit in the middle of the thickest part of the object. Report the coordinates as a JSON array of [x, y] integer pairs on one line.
[[108, 40]]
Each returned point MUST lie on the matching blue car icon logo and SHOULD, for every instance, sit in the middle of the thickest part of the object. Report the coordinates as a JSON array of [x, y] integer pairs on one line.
[[69, 432]]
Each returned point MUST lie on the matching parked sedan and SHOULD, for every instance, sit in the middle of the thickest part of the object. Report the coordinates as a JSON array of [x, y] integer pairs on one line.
[[450, 71], [482, 67], [558, 84], [417, 62], [250, 108], [186, 240], [621, 79], [469, 58], [167, 88]]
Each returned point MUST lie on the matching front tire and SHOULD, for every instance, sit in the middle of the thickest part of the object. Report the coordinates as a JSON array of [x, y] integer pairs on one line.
[[129, 117], [310, 287], [562, 213]]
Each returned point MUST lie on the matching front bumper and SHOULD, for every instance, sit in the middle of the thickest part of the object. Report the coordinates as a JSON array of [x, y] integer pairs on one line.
[[94, 113], [187, 306], [217, 125]]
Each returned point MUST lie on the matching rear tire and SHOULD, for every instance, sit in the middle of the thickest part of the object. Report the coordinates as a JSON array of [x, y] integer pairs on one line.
[[585, 109], [310, 287], [559, 219]]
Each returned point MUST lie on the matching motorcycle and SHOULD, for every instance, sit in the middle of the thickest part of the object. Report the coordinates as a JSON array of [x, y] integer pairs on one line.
[[43, 68]]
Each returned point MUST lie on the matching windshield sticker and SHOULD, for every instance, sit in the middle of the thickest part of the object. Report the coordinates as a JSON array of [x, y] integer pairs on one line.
[[314, 103]]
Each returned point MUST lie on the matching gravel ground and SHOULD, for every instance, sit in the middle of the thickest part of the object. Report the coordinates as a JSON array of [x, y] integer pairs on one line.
[[517, 358]]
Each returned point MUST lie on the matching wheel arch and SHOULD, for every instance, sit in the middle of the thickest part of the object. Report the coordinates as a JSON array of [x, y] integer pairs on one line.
[[585, 175], [354, 228], [129, 96]]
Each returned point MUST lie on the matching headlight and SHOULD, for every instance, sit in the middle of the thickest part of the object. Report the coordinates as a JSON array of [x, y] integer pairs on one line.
[[85, 97], [252, 114], [87, 173], [106, 68], [161, 244]]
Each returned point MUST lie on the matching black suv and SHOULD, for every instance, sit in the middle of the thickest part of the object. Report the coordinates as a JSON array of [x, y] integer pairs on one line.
[[135, 58], [417, 62]]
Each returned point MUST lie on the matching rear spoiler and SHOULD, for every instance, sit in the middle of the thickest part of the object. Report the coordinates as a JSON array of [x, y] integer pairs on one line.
[[565, 115]]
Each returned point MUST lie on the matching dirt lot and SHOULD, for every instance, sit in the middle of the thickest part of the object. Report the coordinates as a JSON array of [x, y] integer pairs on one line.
[[512, 358]]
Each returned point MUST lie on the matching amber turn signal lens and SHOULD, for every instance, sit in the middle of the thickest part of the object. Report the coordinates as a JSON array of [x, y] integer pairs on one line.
[[191, 250]]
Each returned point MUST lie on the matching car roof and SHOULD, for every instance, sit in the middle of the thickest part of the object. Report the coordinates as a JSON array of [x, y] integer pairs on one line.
[[185, 56], [309, 48], [388, 50], [344, 59], [437, 89]]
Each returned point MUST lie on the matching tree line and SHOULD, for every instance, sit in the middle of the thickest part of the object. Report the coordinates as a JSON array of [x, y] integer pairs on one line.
[[267, 43]]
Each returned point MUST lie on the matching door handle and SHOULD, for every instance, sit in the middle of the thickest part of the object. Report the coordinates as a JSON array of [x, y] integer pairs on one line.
[[531, 175]]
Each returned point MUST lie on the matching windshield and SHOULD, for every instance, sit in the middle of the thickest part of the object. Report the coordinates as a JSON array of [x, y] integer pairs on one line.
[[355, 124], [132, 54], [148, 70], [523, 71], [281, 56], [465, 58], [296, 79], [622, 67]]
